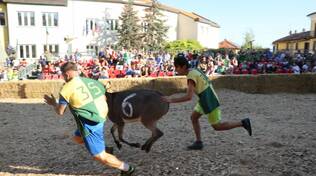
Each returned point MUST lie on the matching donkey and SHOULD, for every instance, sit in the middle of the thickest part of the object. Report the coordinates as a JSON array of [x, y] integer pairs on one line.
[[141, 105]]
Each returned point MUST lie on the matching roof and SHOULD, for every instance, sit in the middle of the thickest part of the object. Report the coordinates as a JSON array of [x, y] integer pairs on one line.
[[39, 2], [294, 37], [314, 13], [228, 44]]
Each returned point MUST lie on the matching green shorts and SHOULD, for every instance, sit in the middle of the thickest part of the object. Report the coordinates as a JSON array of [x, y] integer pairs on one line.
[[213, 118]]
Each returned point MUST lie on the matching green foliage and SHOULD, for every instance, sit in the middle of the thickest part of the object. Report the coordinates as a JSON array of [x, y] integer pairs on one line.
[[129, 30], [183, 45], [249, 38], [155, 29]]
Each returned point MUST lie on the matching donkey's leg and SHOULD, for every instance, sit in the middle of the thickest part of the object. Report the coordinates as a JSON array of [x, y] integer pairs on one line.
[[156, 134], [121, 132], [117, 142]]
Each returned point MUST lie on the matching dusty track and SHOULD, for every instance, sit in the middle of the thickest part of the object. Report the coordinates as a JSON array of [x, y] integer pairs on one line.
[[34, 141]]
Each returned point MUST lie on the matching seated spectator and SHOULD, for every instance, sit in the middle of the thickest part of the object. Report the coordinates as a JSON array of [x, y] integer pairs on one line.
[[144, 71], [129, 72], [305, 68], [296, 69], [210, 68], [202, 64], [314, 69], [23, 63], [104, 74]]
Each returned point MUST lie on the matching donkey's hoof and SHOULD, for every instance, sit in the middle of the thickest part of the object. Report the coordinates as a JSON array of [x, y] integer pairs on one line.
[[119, 146], [144, 147], [147, 149], [137, 145]]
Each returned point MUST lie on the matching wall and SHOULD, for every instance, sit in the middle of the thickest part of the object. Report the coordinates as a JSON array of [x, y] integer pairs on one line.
[[208, 35], [282, 46], [305, 83], [187, 28], [20, 35], [4, 39]]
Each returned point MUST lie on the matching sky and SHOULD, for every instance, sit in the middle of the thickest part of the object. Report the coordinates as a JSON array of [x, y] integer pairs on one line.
[[268, 20]]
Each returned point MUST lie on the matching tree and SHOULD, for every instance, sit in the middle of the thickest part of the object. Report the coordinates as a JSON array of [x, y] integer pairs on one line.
[[249, 38], [155, 29], [105, 35], [129, 30]]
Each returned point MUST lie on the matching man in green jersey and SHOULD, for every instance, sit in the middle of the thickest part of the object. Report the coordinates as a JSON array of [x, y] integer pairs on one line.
[[208, 103], [87, 103]]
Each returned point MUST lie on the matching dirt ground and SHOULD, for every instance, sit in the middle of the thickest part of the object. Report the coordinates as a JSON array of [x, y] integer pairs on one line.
[[35, 141]]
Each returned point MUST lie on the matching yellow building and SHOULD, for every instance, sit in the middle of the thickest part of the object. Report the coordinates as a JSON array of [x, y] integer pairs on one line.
[[4, 36], [304, 41]]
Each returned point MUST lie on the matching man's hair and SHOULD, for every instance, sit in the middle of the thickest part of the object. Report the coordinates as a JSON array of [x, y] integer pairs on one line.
[[181, 60], [68, 66]]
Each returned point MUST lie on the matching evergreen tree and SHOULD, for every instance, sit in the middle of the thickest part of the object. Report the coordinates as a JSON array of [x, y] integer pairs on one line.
[[155, 29], [129, 30]]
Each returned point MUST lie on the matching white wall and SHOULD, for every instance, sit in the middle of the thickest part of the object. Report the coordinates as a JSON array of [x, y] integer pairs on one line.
[[187, 28], [208, 35], [72, 22], [111, 11], [37, 34], [172, 23]]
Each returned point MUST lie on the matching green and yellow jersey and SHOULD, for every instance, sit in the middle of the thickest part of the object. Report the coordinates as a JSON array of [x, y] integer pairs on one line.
[[208, 99], [86, 99]]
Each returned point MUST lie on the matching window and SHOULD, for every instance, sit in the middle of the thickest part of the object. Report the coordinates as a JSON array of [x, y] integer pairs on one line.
[[296, 46], [92, 50], [21, 51], [315, 30], [52, 49], [112, 24], [144, 26], [32, 19], [55, 19], [27, 51], [2, 19], [44, 19], [92, 26], [33, 51], [50, 19], [20, 19], [26, 18]]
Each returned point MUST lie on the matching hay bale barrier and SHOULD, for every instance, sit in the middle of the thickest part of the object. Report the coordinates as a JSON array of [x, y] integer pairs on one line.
[[35, 141], [304, 83]]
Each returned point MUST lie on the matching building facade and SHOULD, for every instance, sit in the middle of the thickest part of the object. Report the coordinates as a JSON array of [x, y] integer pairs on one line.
[[4, 35], [65, 26], [304, 41]]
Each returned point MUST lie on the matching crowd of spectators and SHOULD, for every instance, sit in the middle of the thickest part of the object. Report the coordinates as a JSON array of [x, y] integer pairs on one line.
[[122, 64]]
